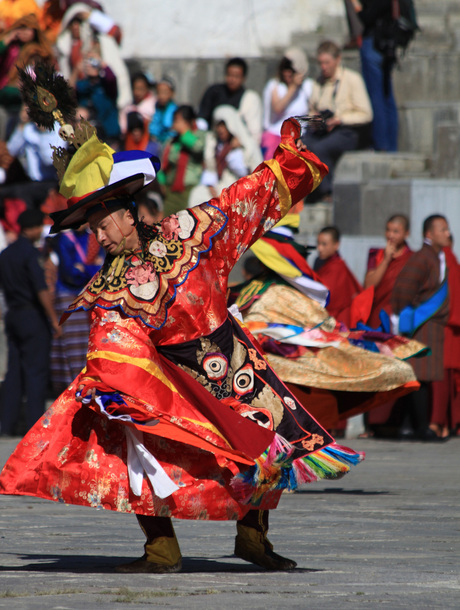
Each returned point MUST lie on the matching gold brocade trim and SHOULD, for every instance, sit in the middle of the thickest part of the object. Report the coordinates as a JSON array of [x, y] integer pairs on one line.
[[143, 363], [147, 283], [249, 292], [315, 172], [283, 190]]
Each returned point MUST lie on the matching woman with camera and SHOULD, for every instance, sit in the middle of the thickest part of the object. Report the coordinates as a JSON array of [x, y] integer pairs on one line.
[[97, 91], [285, 96]]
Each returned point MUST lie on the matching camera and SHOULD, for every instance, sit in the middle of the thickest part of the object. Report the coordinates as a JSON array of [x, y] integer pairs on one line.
[[326, 114], [318, 127], [93, 62]]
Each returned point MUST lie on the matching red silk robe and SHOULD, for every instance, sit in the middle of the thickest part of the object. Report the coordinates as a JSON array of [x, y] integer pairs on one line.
[[173, 295]]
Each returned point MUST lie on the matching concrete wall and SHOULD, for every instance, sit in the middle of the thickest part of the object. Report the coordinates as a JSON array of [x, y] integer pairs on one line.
[[222, 28], [422, 198]]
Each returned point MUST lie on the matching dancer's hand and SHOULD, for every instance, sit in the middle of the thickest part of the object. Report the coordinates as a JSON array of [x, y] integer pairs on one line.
[[300, 145], [89, 396]]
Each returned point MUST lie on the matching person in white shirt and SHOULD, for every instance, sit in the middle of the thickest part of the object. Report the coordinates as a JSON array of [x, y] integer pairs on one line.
[[230, 153], [285, 96], [33, 145]]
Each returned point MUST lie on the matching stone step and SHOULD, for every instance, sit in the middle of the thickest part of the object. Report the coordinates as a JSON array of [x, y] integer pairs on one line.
[[362, 208], [436, 7], [361, 212], [446, 158], [428, 76], [313, 218], [365, 166], [418, 123]]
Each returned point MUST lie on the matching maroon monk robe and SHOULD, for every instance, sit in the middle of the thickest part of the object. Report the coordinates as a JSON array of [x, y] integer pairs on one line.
[[447, 391], [342, 284], [382, 294]]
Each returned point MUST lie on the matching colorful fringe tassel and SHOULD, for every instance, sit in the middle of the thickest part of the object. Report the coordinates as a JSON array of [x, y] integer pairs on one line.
[[275, 470]]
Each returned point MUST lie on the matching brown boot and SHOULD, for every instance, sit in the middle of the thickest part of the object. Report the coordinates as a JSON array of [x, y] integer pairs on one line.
[[162, 553], [254, 546], [144, 566]]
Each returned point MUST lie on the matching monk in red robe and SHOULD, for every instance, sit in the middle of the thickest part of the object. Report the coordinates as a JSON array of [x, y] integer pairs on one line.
[[446, 393], [385, 264], [335, 275]]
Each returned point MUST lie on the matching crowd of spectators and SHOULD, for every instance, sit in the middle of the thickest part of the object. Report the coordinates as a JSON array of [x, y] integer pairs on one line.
[[202, 150]]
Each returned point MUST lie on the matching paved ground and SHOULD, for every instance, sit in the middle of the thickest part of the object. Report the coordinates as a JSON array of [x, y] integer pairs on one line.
[[387, 535]]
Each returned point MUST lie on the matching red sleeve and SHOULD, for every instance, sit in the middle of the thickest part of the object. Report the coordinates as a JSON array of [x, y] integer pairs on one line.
[[374, 259], [255, 203], [453, 279]]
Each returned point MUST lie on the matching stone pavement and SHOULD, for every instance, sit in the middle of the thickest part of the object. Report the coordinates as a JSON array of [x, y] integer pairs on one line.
[[387, 535]]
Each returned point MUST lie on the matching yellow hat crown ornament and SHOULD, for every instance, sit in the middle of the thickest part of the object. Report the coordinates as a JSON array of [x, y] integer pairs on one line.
[[95, 172]]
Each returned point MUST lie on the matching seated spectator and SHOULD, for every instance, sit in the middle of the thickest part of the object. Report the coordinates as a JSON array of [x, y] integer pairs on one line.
[[233, 93], [230, 153], [11, 169], [385, 264], [285, 96], [33, 144], [182, 161], [137, 135], [335, 275], [165, 107], [20, 45], [143, 101], [84, 31], [97, 91], [339, 95], [11, 206]]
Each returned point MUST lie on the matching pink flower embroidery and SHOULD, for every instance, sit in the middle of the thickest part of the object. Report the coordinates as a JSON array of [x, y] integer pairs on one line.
[[170, 227], [142, 274]]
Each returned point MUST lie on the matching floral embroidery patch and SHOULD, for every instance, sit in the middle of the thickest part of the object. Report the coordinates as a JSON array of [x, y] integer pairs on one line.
[[147, 283]]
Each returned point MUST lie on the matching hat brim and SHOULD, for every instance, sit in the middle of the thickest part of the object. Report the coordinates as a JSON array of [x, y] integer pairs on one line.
[[75, 216]]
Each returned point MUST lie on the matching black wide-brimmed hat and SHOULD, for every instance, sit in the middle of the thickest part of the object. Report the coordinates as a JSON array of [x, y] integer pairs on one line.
[[98, 174]]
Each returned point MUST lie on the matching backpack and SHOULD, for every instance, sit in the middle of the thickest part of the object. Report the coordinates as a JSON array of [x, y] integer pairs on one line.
[[396, 31]]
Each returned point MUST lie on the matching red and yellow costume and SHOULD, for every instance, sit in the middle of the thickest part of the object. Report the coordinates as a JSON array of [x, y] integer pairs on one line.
[[184, 393]]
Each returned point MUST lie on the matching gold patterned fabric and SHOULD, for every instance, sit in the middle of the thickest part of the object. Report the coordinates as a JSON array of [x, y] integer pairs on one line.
[[343, 366], [143, 284]]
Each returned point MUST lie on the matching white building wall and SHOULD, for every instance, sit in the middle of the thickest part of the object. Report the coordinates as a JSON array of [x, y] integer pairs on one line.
[[214, 28]]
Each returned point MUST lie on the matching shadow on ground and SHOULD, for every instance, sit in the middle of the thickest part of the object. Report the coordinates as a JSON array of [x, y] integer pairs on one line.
[[96, 564], [345, 492]]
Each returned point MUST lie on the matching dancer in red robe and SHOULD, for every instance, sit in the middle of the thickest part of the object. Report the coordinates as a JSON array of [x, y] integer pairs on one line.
[[177, 412]]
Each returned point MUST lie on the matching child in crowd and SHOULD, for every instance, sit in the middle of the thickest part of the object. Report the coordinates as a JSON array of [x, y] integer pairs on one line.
[[165, 107], [335, 275], [182, 161], [143, 101], [137, 134]]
